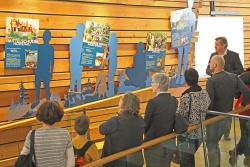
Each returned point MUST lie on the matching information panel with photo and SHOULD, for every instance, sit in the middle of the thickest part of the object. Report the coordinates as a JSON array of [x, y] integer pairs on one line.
[[21, 42], [95, 44], [156, 51]]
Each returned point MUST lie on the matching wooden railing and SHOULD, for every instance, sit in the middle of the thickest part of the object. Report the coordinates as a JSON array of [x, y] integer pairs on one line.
[[19, 123], [158, 140], [98, 112], [32, 121], [28, 121]]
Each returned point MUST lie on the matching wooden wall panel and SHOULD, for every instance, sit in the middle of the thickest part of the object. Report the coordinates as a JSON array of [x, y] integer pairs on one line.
[[130, 19]]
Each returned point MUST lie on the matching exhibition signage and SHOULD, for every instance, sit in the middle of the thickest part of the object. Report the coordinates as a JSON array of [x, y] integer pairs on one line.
[[95, 44], [180, 27], [156, 51], [21, 43]]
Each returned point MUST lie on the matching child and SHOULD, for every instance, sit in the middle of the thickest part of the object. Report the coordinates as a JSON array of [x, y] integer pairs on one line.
[[85, 150]]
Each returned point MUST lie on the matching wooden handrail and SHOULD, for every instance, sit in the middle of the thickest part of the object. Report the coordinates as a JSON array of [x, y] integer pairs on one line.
[[28, 121], [158, 140]]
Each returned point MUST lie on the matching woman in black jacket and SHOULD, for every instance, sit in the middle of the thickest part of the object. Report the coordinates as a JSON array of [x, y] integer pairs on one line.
[[123, 132]]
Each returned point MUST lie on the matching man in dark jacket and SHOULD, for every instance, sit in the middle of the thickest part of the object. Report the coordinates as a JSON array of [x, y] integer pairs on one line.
[[232, 65], [232, 59], [159, 119], [221, 87]]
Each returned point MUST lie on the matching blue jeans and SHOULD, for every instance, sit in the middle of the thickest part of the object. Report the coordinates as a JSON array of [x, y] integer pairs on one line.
[[214, 133]]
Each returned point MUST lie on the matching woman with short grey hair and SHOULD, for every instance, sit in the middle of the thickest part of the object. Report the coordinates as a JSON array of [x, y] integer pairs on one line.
[[159, 119], [162, 81]]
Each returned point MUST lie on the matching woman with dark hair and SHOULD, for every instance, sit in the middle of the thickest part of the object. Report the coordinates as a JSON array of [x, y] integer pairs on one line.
[[123, 132], [193, 105], [53, 146]]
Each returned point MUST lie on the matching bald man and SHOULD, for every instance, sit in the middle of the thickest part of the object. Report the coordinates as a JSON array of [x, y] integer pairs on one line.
[[221, 87]]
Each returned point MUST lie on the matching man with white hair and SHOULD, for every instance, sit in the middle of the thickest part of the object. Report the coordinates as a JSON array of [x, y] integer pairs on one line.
[[159, 119], [221, 87]]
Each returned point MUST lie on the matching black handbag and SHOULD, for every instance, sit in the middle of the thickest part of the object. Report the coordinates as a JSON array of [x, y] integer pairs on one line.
[[27, 160]]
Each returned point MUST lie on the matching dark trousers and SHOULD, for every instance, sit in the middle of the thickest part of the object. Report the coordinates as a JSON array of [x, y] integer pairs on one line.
[[132, 160], [158, 156], [228, 127], [214, 133], [243, 147], [187, 156]]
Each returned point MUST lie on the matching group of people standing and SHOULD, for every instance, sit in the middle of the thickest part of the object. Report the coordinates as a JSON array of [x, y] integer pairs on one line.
[[221, 89], [226, 83], [129, 129]]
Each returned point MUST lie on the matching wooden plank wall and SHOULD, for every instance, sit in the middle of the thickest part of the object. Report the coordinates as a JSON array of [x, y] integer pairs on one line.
[[130, 19]]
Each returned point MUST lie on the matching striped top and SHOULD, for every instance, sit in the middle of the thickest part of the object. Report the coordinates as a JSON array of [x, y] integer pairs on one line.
[[50, 147]]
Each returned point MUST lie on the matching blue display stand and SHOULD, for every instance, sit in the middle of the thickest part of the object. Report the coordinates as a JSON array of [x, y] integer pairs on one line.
[[100, 91], [112, 59], [22, 108], [43, 73], [76, 49], [182, 35]]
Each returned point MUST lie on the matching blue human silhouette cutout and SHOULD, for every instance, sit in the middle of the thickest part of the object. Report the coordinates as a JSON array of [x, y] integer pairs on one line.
[[75, 57], [45, 66], [184, 35], [112, 59], [138, 74], [122, 87]]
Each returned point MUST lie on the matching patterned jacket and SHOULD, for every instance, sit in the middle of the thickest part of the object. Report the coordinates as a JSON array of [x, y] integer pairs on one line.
[[199, 104]]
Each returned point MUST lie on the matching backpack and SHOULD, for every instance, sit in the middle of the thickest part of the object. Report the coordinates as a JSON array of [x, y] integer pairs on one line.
[[79, 154]]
